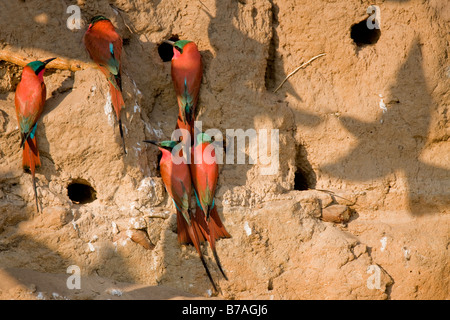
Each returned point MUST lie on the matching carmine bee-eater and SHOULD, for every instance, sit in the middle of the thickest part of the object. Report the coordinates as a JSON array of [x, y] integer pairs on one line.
[[177, 180], [205, 174], [187, 72], [29, 100], [104, 46]]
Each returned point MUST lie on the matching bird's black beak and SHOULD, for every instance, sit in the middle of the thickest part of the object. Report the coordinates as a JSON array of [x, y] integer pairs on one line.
[[48, 60], [156, 143], [172, 43]]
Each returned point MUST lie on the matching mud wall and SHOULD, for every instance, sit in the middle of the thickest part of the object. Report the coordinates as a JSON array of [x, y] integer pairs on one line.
[[367, 124]]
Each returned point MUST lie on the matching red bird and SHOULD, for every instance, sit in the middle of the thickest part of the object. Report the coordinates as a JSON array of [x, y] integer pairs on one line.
[[104, 46], [177, 180], [29, 100], [187, 72], [205, 174]]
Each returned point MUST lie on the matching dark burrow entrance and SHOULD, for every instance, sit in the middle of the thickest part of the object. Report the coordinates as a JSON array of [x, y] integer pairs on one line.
[[270, 76], [80, 191], [305, 177], [165, 50], [158, 168], [363, 35]]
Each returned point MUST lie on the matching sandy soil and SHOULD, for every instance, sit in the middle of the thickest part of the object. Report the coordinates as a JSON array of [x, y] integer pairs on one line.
[[365, 126], [32, 285]]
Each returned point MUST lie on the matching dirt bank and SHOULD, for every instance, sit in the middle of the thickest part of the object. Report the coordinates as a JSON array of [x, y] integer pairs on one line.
[[367, 123]]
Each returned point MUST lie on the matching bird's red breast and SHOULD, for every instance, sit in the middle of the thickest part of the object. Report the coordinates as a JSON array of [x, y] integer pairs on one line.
[[205, 172], [177, 179], [187, 67], [30, 98], [97, 40]]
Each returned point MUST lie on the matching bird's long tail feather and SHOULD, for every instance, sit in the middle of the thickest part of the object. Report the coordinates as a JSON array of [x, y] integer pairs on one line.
[[189, 127], [118, 103], [193, 233], [199, 221], [211, 234], [196, 242], [121, 134], [32, 161], [212, 243], [182, 230], [216, 224]]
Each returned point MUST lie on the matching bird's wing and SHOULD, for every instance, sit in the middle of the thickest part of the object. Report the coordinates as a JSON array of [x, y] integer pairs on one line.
[[29, 105], [106, 51]]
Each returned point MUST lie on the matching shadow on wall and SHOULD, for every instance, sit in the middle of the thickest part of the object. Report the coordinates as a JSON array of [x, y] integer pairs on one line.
[[59, 41], [39, 29], [399, 152], [275, 62], [21, 251], [59, 286], [224, 37], [394, 142], [45, 29]]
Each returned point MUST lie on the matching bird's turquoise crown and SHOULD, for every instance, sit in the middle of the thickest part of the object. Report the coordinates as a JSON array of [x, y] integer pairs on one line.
[[179, 45], [98, 18], [37, 66], [168, 144], [203, 137]]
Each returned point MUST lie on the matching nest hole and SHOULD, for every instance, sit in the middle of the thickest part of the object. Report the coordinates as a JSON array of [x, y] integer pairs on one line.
[[363, 35], [126, 41], [165, 50], [300, 181], [304, 177], [80, 191], [270, 285], [158, 168]]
